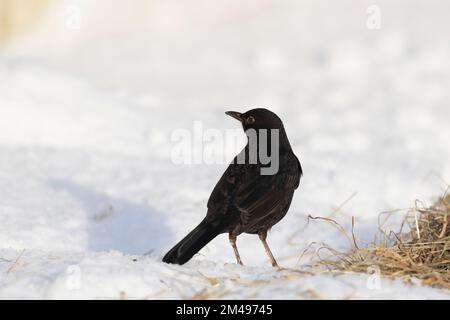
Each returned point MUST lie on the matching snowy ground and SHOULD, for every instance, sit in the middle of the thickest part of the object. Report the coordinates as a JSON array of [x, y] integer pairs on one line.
[[90, 199]]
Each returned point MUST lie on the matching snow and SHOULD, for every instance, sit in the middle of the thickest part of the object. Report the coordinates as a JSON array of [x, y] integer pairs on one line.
[[114, 275], [90, 198]]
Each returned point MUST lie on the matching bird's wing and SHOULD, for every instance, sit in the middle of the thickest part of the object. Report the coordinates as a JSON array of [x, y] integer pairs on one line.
[[263, 196], [242, 190], [294, 172]]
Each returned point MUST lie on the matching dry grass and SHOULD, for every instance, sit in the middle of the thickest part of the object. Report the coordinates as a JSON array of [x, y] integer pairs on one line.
[[420, 249]]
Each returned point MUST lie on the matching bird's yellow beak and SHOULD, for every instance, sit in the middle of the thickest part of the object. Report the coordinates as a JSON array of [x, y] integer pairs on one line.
[[234, 114]]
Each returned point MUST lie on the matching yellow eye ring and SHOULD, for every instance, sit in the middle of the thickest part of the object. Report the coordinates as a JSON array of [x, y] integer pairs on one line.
[[250, 120]]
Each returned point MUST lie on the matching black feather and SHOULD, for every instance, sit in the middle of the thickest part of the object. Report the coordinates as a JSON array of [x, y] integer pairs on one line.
[[184, 250]]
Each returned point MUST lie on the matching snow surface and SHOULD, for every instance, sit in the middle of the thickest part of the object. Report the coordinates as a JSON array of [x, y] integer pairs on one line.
[[90, 198]]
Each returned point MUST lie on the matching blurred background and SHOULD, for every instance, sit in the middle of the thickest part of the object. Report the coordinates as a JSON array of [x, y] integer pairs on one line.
[[239, 43], [19, 15], [90, 92]]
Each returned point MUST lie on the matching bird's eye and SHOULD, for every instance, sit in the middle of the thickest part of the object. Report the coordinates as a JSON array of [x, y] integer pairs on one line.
[[250, 120]]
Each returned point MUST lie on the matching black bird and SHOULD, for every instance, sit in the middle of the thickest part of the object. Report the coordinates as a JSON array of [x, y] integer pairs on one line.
[[245, 200]]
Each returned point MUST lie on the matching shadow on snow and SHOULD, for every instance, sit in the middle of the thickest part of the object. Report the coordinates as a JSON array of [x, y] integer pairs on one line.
[[118, 224]]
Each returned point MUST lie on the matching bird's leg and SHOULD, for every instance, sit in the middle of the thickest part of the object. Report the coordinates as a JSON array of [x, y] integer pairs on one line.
[[232, 238], [262, 236]]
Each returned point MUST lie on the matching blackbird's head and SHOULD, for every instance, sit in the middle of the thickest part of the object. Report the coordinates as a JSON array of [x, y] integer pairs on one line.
[[257, 119]]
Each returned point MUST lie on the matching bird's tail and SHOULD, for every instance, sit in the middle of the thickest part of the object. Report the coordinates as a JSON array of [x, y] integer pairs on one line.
[[184, 250]]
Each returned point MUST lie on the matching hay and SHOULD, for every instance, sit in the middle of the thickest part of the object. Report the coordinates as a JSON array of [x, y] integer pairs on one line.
[[420, 249]]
